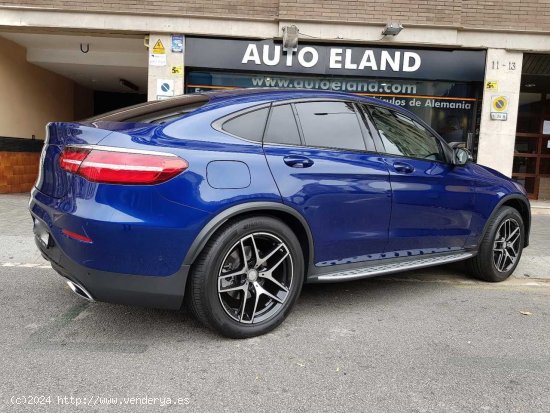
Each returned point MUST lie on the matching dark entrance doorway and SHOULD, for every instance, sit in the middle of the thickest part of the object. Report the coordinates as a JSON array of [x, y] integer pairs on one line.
[[107, 101]]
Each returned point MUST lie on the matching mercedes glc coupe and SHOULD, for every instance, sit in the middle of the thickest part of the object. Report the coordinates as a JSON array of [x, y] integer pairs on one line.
[[229, 202]]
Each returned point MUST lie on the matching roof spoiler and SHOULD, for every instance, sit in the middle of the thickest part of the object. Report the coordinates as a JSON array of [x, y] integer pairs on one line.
[[130, 112]]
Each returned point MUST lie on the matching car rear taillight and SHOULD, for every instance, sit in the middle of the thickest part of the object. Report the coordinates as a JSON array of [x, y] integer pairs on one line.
[[121, 167], [71, 158]]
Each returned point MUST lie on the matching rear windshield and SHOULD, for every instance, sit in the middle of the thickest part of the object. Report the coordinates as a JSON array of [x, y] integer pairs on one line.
[[160, 111]]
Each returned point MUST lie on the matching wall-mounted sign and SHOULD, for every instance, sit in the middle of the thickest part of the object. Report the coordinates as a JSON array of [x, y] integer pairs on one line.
[[157, 54], [268, 56], [491, 85], [157, 59], [165, 87], [176, 70], [177, 43], [499, 107], [158, 48]]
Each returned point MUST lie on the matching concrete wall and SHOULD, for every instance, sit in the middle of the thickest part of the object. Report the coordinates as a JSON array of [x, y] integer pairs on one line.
[[160, 73], [530, 15], [497, 138], [30, 96]]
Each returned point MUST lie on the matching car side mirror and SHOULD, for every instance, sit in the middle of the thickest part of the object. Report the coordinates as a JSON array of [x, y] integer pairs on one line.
[[461, 156]]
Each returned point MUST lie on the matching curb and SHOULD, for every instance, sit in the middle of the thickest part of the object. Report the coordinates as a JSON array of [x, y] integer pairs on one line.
[[540, 210]]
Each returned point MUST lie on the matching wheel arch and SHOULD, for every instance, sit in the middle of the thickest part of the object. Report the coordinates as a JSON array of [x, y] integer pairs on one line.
[[519, 203], [288, 215]]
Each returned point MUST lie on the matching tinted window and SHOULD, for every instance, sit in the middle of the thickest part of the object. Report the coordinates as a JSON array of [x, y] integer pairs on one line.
[[248, 126], [330, 124], [402, 135], [281, 126]]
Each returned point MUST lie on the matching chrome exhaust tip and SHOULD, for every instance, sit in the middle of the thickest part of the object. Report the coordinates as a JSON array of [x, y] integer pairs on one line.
[[80, 290]]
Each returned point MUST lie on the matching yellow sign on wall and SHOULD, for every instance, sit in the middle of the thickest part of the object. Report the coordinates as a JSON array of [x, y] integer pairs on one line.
[[158, 48], [499, 104], [177, 70], [491, 85]]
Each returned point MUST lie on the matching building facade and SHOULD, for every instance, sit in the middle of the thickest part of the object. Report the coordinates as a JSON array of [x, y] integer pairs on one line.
[[478, 72]]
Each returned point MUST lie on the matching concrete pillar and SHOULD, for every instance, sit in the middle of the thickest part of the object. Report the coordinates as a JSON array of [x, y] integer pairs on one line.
[[166, 74], [497, 137]]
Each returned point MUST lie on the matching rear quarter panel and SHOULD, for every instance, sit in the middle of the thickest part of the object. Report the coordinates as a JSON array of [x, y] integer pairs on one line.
[[147, 230]]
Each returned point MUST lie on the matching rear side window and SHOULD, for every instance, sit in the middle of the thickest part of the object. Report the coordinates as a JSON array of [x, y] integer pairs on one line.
[[404, 136], [281, 126], [330, 125], [249, 125]]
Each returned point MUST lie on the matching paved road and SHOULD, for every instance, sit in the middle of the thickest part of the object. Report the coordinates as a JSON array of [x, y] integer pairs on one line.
[[430, 340]]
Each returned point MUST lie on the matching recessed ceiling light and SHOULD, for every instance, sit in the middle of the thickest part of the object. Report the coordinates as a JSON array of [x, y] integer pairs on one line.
[[529, 85]]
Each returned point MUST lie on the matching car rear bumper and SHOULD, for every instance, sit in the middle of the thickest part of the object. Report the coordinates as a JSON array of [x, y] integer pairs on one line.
[[148, 291]]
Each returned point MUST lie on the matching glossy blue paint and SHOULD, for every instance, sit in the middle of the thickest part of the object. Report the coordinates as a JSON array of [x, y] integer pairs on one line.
[[432, 204], [228, 175], [345, 197], [360, 206]]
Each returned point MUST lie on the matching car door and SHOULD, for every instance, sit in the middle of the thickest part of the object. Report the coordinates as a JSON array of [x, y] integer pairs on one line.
[[323, 161], [432, 200]]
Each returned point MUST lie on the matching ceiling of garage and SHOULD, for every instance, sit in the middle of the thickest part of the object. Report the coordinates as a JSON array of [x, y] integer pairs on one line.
[[535, 73], [108, 60]]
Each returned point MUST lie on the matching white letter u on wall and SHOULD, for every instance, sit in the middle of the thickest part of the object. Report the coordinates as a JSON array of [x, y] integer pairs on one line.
[[276, 55]]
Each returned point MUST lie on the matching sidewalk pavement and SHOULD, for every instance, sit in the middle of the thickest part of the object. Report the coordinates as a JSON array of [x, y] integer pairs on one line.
[[540, 207], [17, 241]]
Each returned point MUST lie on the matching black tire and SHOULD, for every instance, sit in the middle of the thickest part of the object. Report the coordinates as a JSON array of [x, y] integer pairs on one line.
[[489, 264], [212, 305]]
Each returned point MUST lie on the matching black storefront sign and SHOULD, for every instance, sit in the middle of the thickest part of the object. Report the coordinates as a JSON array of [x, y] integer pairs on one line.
[[336, 60]]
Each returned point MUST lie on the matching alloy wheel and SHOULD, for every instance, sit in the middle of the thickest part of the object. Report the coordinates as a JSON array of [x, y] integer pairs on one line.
[[255, 278], [506, 245]]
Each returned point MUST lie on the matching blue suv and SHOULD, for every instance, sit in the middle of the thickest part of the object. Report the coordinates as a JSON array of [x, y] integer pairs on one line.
[[231, 201]]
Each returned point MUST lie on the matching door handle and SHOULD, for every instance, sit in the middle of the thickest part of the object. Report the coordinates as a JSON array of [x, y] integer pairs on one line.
[[403, 167], [295, 161]]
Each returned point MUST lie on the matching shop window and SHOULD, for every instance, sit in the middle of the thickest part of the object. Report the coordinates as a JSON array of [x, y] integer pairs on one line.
[[249, 125], [526, 145], [525, 165], [330, 125], [404, 136], [281, 126], [528, 123], [529, 103], [544, 168]]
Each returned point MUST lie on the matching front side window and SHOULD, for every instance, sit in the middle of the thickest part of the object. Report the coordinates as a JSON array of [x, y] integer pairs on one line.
[[249, 125], [404, 136], [330, 125]]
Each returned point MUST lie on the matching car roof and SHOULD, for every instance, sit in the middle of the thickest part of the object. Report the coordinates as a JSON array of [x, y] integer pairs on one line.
[[275, 94], [251, 95], [233, 96]]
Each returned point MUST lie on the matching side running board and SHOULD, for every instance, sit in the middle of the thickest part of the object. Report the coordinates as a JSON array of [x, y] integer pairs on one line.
[[380, 269]]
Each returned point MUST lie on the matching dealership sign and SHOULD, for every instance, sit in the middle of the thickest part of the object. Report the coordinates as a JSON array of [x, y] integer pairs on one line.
[[339, 58], [268, 56]]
